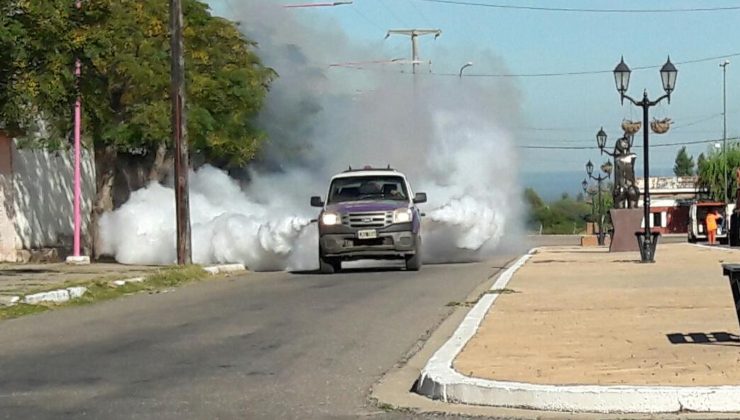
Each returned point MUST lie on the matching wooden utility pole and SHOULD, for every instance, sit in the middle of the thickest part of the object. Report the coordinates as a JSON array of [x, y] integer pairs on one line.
[[413, 34], [179, 134]]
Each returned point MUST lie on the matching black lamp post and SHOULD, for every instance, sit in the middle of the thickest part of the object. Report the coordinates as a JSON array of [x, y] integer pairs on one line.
[[607, 168], [601, 141], [591, 194], [647, 241]]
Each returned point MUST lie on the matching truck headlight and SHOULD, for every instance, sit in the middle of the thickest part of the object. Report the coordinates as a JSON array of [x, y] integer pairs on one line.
[[402, 216], [330, 219]]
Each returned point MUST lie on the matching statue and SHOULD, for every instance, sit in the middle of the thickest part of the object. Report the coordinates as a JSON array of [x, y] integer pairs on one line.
[[625, 193]]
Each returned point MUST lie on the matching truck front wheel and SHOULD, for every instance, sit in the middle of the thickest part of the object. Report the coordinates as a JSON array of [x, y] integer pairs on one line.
[[413, 262], [328, 265]]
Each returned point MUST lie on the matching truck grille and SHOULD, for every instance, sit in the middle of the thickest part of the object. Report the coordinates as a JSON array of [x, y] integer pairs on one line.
[[375, 219]]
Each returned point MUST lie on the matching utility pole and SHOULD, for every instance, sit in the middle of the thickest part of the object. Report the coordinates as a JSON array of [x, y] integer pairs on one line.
[[179, 134], [76, 257], [414, 33], [724, 122]]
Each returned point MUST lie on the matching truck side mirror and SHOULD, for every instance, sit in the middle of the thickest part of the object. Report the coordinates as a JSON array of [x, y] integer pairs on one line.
[[420, 198], [316, 202]]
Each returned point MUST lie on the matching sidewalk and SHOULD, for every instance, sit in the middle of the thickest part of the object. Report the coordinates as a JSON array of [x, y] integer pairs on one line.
[[584, 330], [19, 279]]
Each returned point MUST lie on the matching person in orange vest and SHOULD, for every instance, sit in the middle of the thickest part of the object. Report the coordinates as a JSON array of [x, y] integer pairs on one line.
[[711, 222]]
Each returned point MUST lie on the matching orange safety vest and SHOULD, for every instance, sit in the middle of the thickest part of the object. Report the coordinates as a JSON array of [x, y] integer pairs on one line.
[[711, 222]]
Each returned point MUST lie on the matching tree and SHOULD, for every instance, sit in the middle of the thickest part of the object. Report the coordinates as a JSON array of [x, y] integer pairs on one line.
[[36, 77], [561, 216], [124, 48], [700, 162], [532, 198], [684, 165], [713, 169], [534, 204]]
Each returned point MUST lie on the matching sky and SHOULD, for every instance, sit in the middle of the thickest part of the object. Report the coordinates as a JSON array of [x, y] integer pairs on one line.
[[563, 110]]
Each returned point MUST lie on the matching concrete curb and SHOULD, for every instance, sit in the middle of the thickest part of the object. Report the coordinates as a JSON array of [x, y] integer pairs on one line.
[[78, 260], [9, 300], [119, 283], [225, 268], [715, 248], [55, 296], [439, 380]]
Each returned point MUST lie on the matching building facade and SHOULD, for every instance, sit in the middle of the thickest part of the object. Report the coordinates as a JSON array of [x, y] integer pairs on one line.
[[670, 201]]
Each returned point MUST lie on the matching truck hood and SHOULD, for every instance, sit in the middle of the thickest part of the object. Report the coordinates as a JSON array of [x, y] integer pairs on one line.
[[366, 206]]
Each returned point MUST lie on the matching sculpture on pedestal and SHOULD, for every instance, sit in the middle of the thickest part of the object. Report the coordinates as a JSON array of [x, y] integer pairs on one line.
[[625, 192]]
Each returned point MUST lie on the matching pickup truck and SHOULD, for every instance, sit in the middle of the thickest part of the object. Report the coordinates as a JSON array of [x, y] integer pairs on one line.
[[369, 214]]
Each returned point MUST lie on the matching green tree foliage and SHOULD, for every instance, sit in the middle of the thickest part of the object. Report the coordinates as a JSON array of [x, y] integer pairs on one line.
[[713, 169], [701, 160], [35, 63], [532, 198], [563, 216], [124, 47], [684, 165], [125, 86]]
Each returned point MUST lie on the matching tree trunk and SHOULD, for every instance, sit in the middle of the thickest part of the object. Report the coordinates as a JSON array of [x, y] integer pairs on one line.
[[162, 165], [105, 159]]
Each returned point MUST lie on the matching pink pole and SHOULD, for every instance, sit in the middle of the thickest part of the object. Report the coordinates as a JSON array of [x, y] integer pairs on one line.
[[77, 181]]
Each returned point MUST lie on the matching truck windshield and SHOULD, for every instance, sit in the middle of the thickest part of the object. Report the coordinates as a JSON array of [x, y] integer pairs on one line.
[[368, 188]]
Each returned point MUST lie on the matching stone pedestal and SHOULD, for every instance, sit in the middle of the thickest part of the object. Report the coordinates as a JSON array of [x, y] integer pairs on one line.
[[589, 240], [626, 222]]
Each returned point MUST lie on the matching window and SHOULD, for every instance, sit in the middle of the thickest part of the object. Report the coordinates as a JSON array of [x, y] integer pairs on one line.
[[657, 220], [358, 188]]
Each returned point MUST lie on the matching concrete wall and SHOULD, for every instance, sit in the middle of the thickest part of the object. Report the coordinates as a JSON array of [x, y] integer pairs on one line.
[[40, 202], [8, 236]]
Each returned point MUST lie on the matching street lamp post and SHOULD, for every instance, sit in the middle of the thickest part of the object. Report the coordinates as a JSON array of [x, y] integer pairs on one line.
[[647, 240], [607, 168], [724, 123], [586, 190], [468, 64]]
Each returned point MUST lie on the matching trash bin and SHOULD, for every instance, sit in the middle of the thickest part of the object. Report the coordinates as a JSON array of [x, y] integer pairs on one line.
[[732, 271], [734, 238]]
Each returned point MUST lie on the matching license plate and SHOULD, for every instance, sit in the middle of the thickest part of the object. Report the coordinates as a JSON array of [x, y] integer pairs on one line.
[[367, 234]]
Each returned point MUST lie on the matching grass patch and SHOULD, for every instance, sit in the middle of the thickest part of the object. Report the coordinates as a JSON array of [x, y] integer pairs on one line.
[[503, 291], [468, 304], [385, 406], [103, 289], [165, 278], [21, 309]]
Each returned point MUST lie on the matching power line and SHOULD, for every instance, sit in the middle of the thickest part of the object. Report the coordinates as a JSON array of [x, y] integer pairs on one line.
[[421, 14], [577, 73], [392, 13], [580, 10], [367, 19], [698, 121], [685, 143]]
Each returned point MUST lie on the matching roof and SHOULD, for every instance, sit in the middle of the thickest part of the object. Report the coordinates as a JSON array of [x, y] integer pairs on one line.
[[710, 203], [368, 172]]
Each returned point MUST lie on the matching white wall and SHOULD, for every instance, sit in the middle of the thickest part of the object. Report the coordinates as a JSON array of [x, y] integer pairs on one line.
[[42, 193], [8, 246]]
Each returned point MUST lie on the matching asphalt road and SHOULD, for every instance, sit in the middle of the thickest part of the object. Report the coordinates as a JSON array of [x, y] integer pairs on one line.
[[263, 345]]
